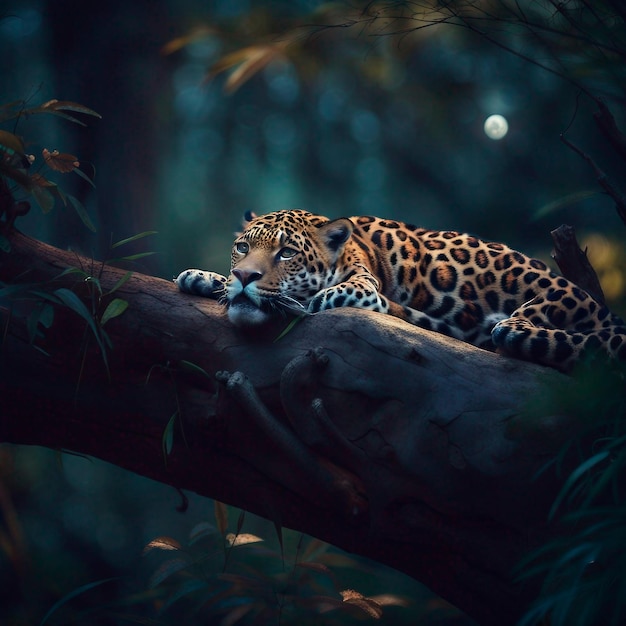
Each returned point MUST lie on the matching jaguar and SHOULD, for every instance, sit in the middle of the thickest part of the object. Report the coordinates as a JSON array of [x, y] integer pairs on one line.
[[292, 262]]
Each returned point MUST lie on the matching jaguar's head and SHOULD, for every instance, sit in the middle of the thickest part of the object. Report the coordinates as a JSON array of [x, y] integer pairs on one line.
[[280, 261]]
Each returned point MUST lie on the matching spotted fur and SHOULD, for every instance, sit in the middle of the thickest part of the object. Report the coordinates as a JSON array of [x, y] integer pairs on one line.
[[481, 292]]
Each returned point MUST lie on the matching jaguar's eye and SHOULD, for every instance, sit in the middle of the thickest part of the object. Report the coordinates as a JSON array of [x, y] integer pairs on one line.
[[242, 247], [287, 253]]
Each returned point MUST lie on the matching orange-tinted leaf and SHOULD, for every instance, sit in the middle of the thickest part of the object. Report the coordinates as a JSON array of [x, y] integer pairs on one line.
[[162, 543], [250, 61], [242, 539], [11, 141], [255, 62], [60, 161], [66, 105], [390, 599], [194, 35], [367, 605]]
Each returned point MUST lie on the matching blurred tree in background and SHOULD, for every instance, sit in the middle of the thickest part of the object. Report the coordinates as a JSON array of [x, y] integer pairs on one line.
[[213, 108]]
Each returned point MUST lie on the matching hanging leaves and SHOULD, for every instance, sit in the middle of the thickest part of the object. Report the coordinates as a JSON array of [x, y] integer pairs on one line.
[[14, 163]]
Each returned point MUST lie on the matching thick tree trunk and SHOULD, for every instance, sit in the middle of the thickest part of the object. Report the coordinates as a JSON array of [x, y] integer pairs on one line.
[[381, 438]]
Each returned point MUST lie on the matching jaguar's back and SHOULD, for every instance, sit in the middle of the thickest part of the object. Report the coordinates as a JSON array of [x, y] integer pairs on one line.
[[481, 292]]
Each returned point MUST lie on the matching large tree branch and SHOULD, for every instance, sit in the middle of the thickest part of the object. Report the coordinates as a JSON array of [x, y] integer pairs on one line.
[[386, 440]]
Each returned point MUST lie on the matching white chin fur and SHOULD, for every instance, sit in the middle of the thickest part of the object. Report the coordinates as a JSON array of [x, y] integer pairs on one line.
[[246, 315]]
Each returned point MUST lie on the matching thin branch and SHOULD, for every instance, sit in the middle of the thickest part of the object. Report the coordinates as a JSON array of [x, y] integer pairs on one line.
[[606, 123], [603, 180]]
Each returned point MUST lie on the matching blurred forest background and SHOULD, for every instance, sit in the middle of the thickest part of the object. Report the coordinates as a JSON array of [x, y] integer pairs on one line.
[[342, 109]]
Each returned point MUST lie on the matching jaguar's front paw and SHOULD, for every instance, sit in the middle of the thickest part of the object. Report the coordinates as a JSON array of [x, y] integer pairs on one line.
[[201, 283]]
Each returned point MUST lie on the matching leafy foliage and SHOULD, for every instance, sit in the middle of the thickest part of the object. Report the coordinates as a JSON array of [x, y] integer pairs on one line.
[[583, 45], [237, 578], [584, 569], [21, 168], [86, 298]]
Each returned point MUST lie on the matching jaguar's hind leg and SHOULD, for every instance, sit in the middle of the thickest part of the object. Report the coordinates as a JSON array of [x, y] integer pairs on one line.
[[557, 328]]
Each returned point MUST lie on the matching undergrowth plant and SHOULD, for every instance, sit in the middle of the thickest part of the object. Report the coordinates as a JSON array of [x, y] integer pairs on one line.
[[23, 176], [584, 568], [229, 576]]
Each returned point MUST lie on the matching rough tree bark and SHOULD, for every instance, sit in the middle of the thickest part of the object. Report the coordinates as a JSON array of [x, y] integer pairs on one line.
[[381, 438]]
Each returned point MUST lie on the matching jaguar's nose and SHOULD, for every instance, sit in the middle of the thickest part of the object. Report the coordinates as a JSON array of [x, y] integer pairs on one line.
[[246, 277]]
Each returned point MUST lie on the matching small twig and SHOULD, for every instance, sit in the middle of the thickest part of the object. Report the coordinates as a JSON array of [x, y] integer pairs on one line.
[[607, 125], [603, 180]]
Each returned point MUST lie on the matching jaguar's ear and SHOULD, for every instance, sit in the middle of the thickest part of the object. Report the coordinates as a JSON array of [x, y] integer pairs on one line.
[[335, 234], [248, 216]]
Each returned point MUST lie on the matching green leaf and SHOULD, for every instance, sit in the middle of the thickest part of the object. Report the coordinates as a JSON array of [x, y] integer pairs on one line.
[[192, 367], [66, 598], [201, 530], [47, 316], [168, 437], [133, 257], [72, 270], [289, 328], [563, 202], [11, 290], [185, 589], [573, 478], [123, 242], [44, 295], [31, 324], [167, 569], [81, 212], [115, 308], [120, 283], [72, 301], [84, 176], [92, 280]]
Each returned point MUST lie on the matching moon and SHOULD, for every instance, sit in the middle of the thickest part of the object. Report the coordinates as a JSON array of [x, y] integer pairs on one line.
[[496, 127]]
